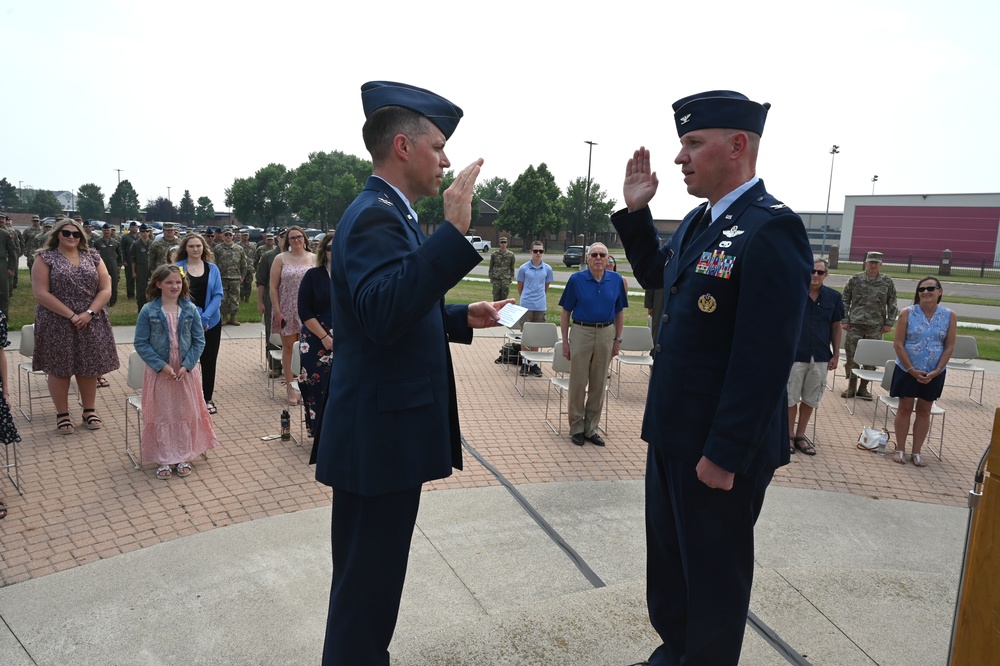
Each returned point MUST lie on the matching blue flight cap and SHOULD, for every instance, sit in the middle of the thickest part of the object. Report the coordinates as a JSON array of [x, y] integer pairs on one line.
[[438, 110], [723, 109]]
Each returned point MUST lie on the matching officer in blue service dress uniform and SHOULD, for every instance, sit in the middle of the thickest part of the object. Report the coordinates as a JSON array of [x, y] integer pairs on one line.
[[391, 402], [735, 279]]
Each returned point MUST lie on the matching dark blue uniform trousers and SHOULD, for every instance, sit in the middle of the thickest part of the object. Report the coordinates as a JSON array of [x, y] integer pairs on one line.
[[699, 565], [371, 544]]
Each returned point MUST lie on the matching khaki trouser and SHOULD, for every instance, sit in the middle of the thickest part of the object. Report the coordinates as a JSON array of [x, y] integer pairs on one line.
[[590, 358]]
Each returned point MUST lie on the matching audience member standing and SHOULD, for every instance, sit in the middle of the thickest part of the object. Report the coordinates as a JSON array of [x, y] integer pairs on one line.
[[111, 252], [287, 270], [595, 300], [501, 270], [8, 267], [33, 237], [818, 352], [263, 279], [232, 265], [159, 249], [924, 342], [533, 280], [250, 253], [870, 310], [140, 264], [8, 431], [126, 242], [73, 335], [169, 337], [316, 344], [205, 285]]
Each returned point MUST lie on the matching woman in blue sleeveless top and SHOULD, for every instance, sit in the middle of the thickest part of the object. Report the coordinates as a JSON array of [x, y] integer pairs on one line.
[[924, 341]]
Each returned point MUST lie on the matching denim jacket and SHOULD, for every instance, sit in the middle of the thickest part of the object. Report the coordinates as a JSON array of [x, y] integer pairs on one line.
[[213, 299], [152, 336]]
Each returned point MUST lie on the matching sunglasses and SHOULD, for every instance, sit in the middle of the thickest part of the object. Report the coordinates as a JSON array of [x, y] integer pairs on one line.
[[815, 272], [923, 289], [598, 255], [537, 251], [301, 238], [70, 234]]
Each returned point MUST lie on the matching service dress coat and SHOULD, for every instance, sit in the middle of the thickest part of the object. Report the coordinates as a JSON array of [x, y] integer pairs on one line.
[[392, 414], [732, 309]]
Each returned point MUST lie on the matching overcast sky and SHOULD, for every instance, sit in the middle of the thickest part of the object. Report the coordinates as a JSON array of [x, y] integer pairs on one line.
[[192, 94]]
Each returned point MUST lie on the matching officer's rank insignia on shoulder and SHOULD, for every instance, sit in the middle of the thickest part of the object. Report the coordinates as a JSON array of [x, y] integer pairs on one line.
[[385, 201], [779, 206]]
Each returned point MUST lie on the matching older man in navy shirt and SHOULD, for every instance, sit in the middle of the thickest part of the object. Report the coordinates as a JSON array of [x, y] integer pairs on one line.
[[594, 299], [816, 354]]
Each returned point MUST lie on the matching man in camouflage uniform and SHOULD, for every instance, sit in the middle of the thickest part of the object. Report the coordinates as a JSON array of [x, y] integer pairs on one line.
[[250, 252], [232, 265], [160, 248], [15, 236], [111, 252], [501, 271], [8, 267], [267, 254], [126, 243], [870, 311], [33, 237], [139, 264]]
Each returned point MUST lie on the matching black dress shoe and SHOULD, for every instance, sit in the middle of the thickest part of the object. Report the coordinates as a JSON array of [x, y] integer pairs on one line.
[[523, 371], [596, 440], [536, 370], [578, 439]]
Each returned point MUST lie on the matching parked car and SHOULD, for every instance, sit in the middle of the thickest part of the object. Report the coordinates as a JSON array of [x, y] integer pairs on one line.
[[479, 243], [573, 256]]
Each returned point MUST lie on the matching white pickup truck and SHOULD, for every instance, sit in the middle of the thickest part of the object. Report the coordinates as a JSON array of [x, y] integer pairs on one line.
[[479, 243]]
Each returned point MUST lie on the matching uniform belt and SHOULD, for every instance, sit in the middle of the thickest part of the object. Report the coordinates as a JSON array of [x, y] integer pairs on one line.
[[590, 325]]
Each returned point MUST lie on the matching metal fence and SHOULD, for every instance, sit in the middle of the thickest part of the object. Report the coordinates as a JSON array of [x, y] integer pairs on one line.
[[931, 265]]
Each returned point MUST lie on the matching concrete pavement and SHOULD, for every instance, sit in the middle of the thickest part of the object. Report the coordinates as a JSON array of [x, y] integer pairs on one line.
[[200, 575]]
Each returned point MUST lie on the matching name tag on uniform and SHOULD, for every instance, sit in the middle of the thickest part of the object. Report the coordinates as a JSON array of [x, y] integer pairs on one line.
[[716, 264]]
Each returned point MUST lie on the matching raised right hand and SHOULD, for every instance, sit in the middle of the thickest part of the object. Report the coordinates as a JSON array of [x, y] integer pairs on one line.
[[640, 182], [458, 197]]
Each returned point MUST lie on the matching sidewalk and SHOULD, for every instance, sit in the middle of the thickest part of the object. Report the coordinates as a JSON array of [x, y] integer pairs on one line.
[[858, 558]]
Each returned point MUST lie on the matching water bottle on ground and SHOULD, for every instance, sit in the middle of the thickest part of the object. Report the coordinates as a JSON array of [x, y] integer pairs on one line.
[[882, 441], [286, 425]]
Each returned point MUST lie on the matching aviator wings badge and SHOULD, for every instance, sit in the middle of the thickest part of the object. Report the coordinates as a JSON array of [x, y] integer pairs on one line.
[[733, 232]]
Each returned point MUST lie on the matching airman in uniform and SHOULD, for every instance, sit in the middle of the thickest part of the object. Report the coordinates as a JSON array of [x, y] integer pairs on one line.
[[32, 240], [8, 267], [870, 311], [15, 236], [139, 263], [126, 243], [110, 250], [159, 250], [502, 270], [268, 252], [250, 252], [232, 264]]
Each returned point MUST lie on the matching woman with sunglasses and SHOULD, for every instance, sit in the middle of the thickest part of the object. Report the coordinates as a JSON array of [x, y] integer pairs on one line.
[[316, 343], [286, 274], [73, 335], [924, 342]]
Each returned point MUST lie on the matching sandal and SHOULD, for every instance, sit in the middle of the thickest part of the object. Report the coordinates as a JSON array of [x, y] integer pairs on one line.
[[3, 510], [64, 424], [92, 420], [804, 445], [210, 406], [163, 472], [899, 457], [102, 382], [918, 460], [184, 469]]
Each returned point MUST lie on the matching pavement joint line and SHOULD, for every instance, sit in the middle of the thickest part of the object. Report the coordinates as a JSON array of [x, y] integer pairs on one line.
[[771, 637], [574, 556]]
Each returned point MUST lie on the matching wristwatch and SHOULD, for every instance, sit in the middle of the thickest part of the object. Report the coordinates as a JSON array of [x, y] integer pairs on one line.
[[618, 339], [91, 313]]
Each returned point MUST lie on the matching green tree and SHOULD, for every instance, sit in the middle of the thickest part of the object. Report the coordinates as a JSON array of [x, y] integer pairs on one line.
[[90, 202], [583, 217], [430, 210], [321, 189], [532, 207], [124, 203], [162, 210], [494, 189], [205, 212], [45, 203], [185, 212], [8, 196], [272, 186], [241, 198]]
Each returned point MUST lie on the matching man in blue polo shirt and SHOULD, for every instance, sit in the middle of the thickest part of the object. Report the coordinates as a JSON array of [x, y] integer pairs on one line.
[[594, 299], [533, 280], [817, 353]]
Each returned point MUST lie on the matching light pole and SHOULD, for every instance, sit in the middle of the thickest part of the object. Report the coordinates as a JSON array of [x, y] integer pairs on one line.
[[168, 193], [586, 200], [833, 156], [119, 175], [874, 180]]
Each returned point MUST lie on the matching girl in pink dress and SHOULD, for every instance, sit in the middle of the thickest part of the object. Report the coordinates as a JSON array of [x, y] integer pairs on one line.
[[169, 337]]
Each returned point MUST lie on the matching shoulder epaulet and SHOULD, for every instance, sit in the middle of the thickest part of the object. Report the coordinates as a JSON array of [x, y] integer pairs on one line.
[[769, 203]]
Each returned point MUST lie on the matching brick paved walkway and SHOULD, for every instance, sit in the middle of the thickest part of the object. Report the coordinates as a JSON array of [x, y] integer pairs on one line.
[[84, 501]]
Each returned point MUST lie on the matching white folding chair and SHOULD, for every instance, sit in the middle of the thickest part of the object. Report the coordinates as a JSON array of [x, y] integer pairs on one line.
[[296, 370], [870, 352], [639, 341], [561, 384], [136, 370], [540, 336], [966, 351], [892, 405], [275, 356], [831, 377]]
